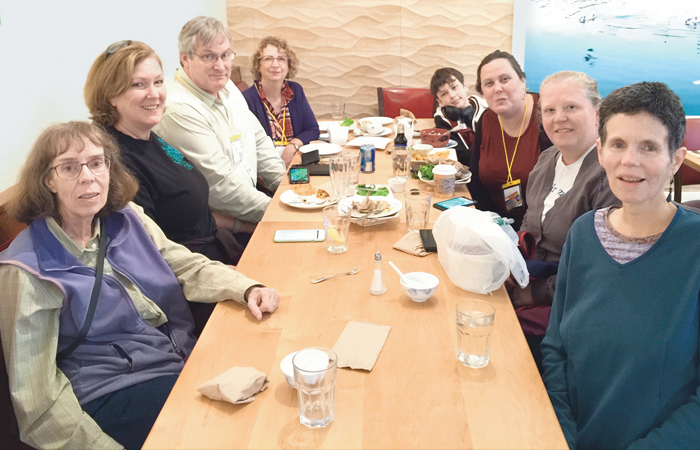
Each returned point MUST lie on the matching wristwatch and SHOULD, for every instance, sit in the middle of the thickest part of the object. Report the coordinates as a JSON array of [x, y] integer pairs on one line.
[[295, 145]]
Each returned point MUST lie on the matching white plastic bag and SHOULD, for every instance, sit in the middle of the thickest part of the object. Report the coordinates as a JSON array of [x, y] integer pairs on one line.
[[475, 252]]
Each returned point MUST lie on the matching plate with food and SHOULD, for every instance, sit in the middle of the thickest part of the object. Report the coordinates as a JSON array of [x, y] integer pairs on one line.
[[373, 190], [385, 131], [305, 196], [324, 149], [450, 144], [368, 207], [425, 174]]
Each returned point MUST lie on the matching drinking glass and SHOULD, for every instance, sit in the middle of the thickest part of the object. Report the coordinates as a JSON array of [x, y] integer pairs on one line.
[[401, 161], [337, 110], [315, 371], [339, 168], [417, 210], [355, 158], [336, 221], [474, 326]]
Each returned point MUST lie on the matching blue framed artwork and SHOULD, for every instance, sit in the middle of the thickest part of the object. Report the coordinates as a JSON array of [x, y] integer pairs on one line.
[[616, 42]]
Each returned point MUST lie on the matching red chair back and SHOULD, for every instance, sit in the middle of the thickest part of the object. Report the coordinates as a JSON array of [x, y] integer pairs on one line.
[[691, 141], [419, 101]]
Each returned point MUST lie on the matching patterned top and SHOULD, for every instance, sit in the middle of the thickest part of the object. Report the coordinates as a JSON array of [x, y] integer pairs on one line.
[[174, 154], [621, 248], [281, 122]]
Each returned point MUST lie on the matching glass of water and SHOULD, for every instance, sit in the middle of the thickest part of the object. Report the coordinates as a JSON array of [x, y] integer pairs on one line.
[[336, 222], [315, 371], [401, 160], [474, 327]]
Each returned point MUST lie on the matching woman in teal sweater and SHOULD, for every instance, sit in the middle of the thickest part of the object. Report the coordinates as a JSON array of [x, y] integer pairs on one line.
[[621, 351]]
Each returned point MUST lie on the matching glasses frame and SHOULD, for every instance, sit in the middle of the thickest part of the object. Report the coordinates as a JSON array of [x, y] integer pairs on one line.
[[218, 57], [114, 48], [280, 59], [107, 162]]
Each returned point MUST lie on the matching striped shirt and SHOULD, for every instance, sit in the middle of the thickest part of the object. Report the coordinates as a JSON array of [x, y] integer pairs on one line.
[[621, 248]]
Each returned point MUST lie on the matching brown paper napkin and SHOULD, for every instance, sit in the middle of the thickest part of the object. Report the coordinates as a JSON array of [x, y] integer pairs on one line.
[[411, 244], [236, 385], [359, 344]]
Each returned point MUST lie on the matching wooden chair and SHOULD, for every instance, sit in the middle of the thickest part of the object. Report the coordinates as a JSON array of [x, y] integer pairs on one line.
[[419, 101], [687, 175]]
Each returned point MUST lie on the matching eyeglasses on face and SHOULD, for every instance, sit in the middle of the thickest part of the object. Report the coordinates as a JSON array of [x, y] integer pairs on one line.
[[212, 58], [269, 59], [71, 170], [114, 48]]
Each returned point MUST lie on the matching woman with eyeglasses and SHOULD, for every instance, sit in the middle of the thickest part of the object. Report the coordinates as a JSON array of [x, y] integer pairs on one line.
[[93, 306], [125, 94], [280, 105]]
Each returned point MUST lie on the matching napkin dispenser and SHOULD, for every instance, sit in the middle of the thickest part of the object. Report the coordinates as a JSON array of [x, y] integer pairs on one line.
[[310, 161]]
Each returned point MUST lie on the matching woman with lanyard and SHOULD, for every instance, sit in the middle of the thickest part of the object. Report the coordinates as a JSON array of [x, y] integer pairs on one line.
[[508, 138], [280, 105]]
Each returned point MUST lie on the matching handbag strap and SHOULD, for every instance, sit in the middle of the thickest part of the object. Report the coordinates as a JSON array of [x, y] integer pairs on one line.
[[93, 297]]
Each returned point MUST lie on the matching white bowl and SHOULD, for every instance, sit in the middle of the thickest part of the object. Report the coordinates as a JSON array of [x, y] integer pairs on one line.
[[421, 286], [288, 369], [423, 149]]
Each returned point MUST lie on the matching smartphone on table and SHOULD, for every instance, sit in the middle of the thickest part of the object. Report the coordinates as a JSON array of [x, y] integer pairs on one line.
[[457, 201], [299, 236], [298, 174]]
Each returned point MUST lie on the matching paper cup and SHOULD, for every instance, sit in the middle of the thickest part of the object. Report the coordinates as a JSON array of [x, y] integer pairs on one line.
[[444, 179]]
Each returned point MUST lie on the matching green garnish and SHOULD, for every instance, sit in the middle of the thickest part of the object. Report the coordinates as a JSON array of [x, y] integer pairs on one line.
[[370, 189], [426, 171], [346, 122]]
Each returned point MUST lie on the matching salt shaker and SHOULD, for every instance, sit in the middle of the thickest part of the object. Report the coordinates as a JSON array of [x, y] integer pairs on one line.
[[377, 287]]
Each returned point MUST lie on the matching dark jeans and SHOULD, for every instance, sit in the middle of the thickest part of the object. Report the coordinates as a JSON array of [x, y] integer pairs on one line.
[[128, 415]]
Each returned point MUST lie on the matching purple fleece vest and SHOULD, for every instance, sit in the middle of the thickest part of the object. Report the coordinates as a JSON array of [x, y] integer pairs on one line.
[[120, 349]]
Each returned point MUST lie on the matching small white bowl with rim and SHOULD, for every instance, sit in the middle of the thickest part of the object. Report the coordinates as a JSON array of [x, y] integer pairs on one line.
[[421, 285], [288, 369]]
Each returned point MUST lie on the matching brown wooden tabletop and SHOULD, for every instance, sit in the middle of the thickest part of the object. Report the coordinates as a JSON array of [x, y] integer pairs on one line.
[[418, 395]]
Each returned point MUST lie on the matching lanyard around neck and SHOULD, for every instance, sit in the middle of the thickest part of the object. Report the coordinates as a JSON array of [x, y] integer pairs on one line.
[[282, 126], [509, 165]]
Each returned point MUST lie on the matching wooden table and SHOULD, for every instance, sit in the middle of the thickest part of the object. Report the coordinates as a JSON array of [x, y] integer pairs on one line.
[[418, 394], [692, 160]]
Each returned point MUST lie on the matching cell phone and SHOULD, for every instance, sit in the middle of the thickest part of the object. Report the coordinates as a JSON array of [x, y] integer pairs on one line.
[[457, 201], [426, 236], [298, 174], [299, 236]]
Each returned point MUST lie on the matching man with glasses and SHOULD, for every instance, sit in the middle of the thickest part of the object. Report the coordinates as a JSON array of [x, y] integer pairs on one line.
[[207, 119]]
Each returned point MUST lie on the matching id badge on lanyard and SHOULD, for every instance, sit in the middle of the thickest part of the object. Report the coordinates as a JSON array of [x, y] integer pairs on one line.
[[513, 195], [236, 148]]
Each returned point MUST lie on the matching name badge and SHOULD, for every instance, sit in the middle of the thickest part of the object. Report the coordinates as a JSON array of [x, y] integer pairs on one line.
[[513, 195], [236, 148]]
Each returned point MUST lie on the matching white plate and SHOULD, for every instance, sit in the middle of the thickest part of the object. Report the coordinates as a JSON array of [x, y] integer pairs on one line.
[[451, 144], [378, 142], [381, 120], [384, 132], [464, 180], [323, 126], [290, 198], [323, 148], [394, 206]]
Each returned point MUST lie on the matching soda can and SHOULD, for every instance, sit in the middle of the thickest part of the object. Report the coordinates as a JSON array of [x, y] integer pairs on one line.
[[367, 161]]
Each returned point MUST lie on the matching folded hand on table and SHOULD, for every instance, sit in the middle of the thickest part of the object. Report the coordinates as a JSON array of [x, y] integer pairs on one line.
[[261, 300]]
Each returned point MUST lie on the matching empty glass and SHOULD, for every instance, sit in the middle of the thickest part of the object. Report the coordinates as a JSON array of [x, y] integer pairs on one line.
[[337, 110], [417, 210], [336, 222], [315, 371], [355, 158], [340, 170]]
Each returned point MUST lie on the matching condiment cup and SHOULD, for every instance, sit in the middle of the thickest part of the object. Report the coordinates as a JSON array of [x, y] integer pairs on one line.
[[288, 369], [422, 285], [397, 184]]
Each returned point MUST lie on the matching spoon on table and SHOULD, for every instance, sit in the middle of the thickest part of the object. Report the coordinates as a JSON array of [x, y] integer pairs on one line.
[[407, 281]]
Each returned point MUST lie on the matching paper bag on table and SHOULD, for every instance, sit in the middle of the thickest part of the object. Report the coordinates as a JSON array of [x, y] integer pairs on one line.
[[236, 385], [359, 344]]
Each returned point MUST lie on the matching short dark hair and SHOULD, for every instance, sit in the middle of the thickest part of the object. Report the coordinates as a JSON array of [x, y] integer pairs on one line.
[[654, 98], [33, 200], [498, 55], [444, 76]]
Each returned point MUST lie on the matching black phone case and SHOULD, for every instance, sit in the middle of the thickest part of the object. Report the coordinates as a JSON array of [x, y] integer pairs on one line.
[[310, 158], [428, 241], [318, 169]]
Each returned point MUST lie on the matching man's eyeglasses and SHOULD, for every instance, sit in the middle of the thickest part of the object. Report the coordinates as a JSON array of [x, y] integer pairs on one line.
[[71, 170], [269, 59], [211, 58], [114, 48]]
